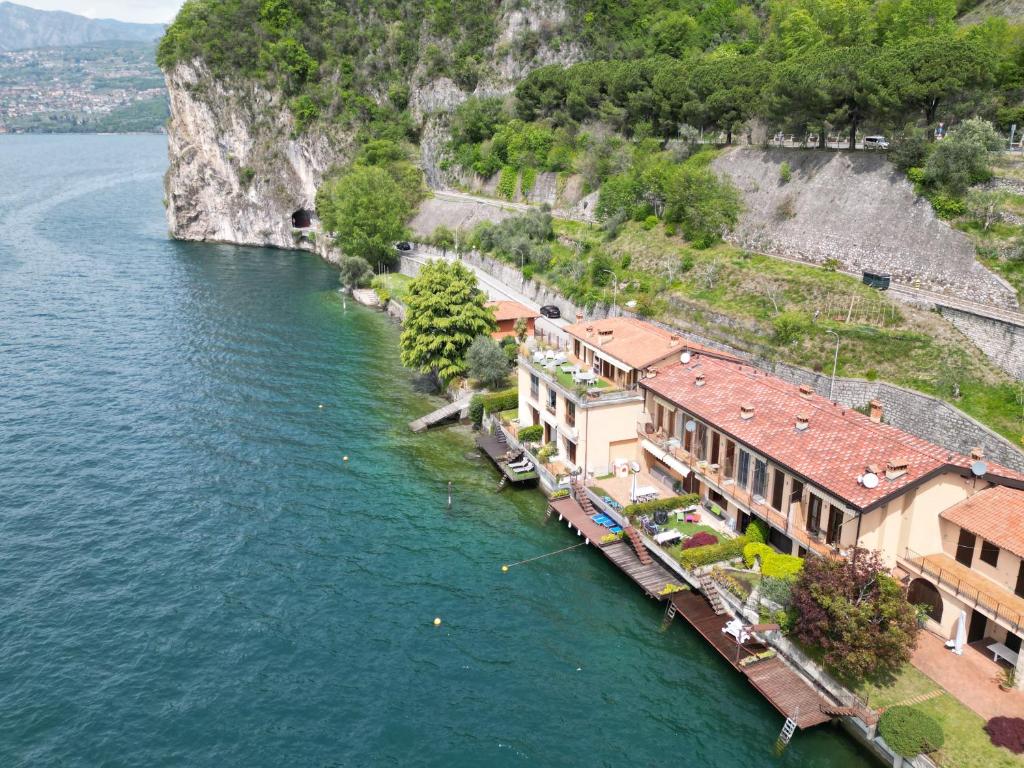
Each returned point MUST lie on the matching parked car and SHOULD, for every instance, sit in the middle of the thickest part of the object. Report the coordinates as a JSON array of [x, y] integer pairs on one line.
[[876, 142], [550, 310], [403, 246]]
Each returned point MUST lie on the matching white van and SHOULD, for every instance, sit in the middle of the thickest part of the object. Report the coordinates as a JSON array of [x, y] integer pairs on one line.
[[875, 142]]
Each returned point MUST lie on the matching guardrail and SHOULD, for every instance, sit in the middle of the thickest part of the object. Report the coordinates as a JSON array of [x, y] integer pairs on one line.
[[966, 592]]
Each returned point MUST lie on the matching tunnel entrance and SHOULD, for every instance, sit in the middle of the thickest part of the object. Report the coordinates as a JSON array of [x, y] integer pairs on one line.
[[302, 218]]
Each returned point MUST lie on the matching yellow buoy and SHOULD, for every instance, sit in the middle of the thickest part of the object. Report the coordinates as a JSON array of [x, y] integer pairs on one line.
[[504, 569], [437, 622]]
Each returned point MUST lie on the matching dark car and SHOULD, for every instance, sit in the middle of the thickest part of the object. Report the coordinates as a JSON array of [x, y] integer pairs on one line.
[[403, 246], [550, 310]]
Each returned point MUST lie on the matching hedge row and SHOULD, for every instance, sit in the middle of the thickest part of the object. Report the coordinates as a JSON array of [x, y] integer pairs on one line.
[[757, 531], [713, 553], [493, 402], [909, 731], [531, 434], [772, 563], [650, 507]]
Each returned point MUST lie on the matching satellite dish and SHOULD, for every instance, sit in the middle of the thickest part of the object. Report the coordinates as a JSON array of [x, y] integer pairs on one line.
[[979, 468], [685, 357], [691, 425], [870, 480], [635, 466]]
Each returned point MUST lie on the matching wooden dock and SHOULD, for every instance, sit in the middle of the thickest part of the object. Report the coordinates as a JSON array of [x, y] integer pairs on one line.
[[497, 450], [445, 412], [784, 689], [652, 578]]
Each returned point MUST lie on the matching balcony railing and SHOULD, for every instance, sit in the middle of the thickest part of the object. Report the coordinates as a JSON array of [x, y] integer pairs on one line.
[[963, 589], [581, 394]]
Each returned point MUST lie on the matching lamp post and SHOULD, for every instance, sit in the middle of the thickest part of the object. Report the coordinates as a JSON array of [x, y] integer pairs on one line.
[[835, 364], [615, 287]]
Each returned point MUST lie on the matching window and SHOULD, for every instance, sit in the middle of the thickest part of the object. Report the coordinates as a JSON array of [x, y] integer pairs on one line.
[[965, 548], [835, 525], [778, 485], [552, 399], [989, 553], [534, 387], [716, 442], [570, 450], [813, 514], [743, 469], [760, 478], [570, 413], [700, 447]]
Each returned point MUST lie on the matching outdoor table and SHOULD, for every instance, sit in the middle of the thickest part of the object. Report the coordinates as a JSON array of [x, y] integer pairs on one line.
[[585, 376], [667, 537], [1000, 651], [646, 490]]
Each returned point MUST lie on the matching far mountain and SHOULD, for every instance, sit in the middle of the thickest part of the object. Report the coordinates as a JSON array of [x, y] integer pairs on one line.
[[22, 28]]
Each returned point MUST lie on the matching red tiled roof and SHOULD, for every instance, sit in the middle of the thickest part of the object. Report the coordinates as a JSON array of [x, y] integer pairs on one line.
[[837, 446], [634, 342], [510, 310], [996, 514]]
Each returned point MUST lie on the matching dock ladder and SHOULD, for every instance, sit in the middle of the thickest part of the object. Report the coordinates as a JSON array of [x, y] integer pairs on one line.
[[670, 614], [788, 729]]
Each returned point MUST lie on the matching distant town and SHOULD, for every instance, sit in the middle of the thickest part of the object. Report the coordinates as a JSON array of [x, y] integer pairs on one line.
[[99, 87]]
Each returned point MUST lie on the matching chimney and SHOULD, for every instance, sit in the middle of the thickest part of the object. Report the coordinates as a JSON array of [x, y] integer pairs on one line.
[[895, 468], [579, 316], [802, 421], [700, 380], [806, 392], [872, 468], [977, 453], [746, 412], [875, 413], [590, 331], [673, 342]]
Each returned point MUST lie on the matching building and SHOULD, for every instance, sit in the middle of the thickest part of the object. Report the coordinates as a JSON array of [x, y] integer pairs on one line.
[[826, 478], [587, 396], [507, 313]]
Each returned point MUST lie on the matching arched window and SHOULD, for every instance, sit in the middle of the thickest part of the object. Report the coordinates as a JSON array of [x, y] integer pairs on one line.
[[923, 592]]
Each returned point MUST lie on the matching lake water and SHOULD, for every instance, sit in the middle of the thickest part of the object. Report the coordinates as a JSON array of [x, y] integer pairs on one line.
[[190, 574]]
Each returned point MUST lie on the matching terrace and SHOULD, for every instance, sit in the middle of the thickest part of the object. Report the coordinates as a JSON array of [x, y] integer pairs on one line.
[[562, 370]]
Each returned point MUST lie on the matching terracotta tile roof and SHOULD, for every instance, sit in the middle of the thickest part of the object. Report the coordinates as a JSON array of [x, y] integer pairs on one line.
[[995, 514], [836, 447], [510, 310], [634, 342]]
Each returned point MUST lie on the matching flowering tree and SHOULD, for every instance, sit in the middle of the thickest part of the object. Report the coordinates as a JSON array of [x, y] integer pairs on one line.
[[856, 613]]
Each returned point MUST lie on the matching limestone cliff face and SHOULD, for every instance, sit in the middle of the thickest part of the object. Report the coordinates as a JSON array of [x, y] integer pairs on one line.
[[236, 173]]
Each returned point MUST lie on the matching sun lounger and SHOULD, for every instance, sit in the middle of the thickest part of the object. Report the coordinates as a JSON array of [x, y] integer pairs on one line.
[[524, 470], [736, 631]]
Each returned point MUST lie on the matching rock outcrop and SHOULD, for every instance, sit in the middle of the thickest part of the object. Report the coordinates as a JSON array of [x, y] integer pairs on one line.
[[236, 173]]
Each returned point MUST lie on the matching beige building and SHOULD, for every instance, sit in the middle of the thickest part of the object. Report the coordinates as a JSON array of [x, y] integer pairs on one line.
[[826, 478], [587, 396]]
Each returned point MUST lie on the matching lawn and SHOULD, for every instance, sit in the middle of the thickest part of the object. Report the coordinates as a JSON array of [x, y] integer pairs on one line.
[[565, 379], [967, 744], [395, 285]]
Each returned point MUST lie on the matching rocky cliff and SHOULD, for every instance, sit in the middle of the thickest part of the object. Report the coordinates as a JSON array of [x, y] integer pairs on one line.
[[238, 171]]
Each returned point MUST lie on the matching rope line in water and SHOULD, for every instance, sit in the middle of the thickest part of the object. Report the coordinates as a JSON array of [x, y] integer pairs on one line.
[[549, 554]]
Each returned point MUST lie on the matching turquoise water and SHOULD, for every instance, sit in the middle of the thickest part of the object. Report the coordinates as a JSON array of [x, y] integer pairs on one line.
[[191, 575]]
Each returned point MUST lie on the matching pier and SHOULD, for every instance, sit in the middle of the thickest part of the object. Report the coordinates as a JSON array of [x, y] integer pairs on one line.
[[445, 412], [497, 450]]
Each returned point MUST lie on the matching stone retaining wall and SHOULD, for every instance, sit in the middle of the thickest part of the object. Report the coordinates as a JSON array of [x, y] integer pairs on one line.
[[1002, 343]]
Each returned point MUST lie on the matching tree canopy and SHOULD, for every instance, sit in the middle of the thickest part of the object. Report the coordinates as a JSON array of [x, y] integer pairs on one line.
[[445, 312]]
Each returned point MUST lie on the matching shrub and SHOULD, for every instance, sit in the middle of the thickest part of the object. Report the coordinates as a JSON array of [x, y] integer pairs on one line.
[[494, 402], [531, 434], [650, 507], [507, 182], [791, 326], [650, 222], [546, 453], [947, 207], [561, 493], [757, 531], [713, 553], [528, 180], [778, 566], [909, 731], [785, 173], [487, 363], [700, 539], [354, 272], [754, 550], [1007, 732], [916, 175]]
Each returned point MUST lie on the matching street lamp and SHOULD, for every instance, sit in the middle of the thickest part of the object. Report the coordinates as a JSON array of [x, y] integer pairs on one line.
[[835, 364], [615, 287]]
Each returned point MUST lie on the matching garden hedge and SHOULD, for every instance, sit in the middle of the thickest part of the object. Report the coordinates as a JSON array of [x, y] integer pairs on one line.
[[531, 434], [713, 553], [773, 564], [650, 507], [757, 532], [910, 731], [493, 402]]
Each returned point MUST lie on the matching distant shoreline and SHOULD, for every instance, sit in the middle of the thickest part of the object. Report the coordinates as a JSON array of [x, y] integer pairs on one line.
[[160, 132]]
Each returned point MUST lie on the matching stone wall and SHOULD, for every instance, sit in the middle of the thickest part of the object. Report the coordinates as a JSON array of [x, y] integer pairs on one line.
[[1002, 342], [922, 415]]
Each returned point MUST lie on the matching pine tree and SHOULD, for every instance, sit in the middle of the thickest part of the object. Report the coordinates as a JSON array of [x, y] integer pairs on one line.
[[444, 312]]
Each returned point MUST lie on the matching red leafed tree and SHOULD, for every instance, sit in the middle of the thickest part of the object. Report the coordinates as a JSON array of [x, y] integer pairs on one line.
[[858, 614]]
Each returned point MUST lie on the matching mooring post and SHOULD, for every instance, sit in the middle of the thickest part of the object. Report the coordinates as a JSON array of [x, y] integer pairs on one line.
[[449, 494]]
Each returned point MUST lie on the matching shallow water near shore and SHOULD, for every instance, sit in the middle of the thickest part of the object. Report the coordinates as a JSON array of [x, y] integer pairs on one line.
[[190, 574]]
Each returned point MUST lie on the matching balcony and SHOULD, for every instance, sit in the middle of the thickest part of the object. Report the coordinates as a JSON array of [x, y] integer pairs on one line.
[[977, 591], [598, 392]]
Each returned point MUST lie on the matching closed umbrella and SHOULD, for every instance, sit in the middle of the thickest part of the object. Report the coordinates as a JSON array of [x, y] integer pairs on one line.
[[961, 634]]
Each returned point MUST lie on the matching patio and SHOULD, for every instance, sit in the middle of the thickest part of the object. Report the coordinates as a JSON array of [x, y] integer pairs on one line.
[[973, 678], [619, 487]]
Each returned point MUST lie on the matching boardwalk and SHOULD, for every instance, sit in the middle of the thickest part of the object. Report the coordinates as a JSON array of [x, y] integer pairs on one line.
[[497, 450], [787, 691], [445, 412], [652, 578]]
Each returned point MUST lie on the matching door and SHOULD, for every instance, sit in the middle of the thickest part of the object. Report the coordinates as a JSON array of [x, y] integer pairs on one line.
[[1012, 642], [976, 630], [965, 548], [835, 525]]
